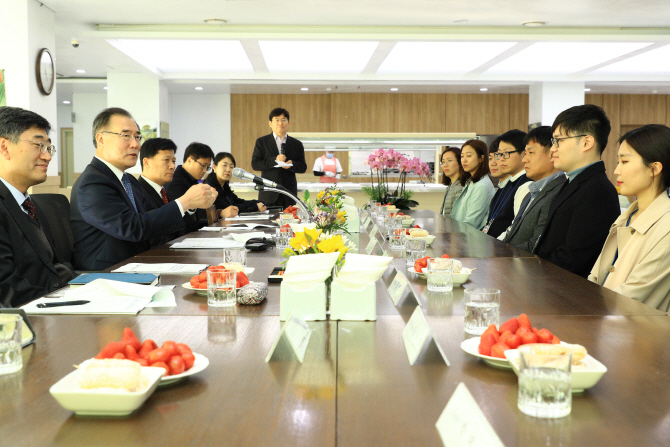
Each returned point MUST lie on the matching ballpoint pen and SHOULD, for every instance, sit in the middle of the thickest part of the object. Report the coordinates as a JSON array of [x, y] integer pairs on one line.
[[63, 303]]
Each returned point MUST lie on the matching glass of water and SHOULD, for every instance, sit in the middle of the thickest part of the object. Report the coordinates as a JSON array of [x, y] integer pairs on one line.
[[284, 236], [545, 387], [482, 308], [235, 255], [285, 218], [414, 249], [374, 208], [221, 287], [397, 237], [439, 275], [10, 343]]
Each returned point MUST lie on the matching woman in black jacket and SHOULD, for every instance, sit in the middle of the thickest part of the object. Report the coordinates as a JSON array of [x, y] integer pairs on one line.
[[227, 203]]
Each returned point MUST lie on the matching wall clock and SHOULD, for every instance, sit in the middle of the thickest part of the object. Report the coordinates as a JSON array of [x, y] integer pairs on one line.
[[46, 74]]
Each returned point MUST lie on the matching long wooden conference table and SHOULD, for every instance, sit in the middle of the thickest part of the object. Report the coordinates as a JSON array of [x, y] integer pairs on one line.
[[355, 387]]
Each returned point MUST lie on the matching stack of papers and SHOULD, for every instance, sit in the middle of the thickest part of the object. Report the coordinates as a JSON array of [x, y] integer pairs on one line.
[[206, 243], [243, 238], [171, 269], [281, 164], [107, 297], [214, 229], [252, 217]]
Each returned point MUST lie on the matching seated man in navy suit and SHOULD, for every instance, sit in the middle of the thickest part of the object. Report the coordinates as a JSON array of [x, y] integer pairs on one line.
[[197, 162], [582, 212], [111, 219], [279, 146], [29, 266]]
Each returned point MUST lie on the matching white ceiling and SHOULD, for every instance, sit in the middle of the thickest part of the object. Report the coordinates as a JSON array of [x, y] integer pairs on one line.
[[618, 46]]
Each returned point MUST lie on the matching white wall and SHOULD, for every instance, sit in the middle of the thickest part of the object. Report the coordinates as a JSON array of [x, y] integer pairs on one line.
[[200, 117], [85, 106]]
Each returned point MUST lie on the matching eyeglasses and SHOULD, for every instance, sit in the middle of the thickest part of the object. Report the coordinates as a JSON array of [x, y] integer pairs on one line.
[[44, 146], [277, 120], [206, 167], [504, 155], [126, 136], [555, 141]]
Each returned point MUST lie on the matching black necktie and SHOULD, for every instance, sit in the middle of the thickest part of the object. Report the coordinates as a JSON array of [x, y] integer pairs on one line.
[[29, 206]]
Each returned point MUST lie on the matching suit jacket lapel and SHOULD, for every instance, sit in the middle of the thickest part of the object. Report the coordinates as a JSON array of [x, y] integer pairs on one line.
[[29, 231], [104, 170]]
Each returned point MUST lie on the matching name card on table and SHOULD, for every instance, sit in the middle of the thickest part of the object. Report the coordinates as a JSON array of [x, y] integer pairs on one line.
[[371, 246], [374, 231], [366, 222], [292, 340], [417, 334], [462, 423], [397, 287]]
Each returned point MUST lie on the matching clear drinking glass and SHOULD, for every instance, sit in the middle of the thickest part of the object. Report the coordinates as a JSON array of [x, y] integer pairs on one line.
[[235, 255], [439, 275], [545, 382], [10, 343], [221, 287], [414, 250], [397, 237], [284, 236], [374, 208], [393, 223], [482, 308]]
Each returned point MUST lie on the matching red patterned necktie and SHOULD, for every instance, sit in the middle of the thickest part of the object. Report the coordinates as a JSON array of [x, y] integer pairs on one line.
[[164, 195], [29, 206]]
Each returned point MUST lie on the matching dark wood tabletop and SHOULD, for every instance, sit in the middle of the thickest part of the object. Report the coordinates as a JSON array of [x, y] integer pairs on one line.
[[356, 386]]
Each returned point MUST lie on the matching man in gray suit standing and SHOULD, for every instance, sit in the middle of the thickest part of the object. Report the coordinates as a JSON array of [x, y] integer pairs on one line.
[[529, 222]]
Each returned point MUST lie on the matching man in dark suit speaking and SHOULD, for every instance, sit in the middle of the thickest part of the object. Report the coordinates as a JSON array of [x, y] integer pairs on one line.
[[110, 216], [29, 266], [278, 146]]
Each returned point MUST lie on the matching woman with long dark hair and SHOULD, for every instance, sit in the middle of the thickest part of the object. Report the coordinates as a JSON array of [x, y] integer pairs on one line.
[[473, 204], [453, 176], [635, 260], [227, 203]]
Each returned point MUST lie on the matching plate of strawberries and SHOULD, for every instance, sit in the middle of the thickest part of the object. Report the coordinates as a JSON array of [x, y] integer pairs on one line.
[[493, 343], [199, 282]]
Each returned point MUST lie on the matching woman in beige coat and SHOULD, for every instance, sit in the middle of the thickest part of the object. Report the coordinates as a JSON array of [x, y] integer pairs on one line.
[[635, 260]]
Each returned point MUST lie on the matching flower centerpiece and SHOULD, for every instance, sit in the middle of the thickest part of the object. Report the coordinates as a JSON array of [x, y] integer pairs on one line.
[[315, 241], [380, 162], [327, 210]]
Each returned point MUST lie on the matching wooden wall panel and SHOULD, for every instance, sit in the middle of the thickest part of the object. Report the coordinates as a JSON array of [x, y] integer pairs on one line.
[[643, 109], [595, 99], [362, 112], [483, 114], [419, 112], [249, 121], [518, 112]]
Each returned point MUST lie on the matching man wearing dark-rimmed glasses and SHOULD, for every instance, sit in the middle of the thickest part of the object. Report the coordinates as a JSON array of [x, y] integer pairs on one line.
[[582, 212], [29, 264]]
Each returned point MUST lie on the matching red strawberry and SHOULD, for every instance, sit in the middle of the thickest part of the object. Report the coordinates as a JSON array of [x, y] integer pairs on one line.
[[492, 330], [524, 321], [416, 226], [513, 341], [511, 325], [485, 344], [498, 350], [544, 336]]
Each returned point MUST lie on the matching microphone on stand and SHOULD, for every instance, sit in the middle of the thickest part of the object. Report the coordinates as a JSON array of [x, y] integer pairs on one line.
[[242, 174]]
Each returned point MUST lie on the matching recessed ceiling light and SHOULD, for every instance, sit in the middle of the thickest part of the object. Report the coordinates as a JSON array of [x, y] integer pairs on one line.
[[534, 24], [215, 21], [198, 88], [541, 57], [654, 91], [420, 57], [81, 71], [304, 89], [483, 89], [587, 89], [328, 89], [105, 88], [460, 20], [187, 56], [317, 56], [394, 89], [67, 102]]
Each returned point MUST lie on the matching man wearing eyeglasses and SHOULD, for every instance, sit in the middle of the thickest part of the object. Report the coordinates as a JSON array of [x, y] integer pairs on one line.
[[110, 217], [582, 212], [197, 162], [29, 265], [279, 147], [508, 157]]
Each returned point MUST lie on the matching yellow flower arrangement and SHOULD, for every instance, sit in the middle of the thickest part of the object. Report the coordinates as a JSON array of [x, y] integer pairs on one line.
[[307, 242]]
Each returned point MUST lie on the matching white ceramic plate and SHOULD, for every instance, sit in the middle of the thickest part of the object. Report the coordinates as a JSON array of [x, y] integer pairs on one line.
[[584, 376], [201, 362], [458, 278], [408, 222], [429, 239], [471, 346], [103, 401], [187, 285]]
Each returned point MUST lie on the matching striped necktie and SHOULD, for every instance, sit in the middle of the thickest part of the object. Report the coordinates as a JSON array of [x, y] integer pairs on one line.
[[129, 189]]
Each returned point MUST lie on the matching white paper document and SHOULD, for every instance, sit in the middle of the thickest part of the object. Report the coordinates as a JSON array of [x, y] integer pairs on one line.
[[248, 226], [206, 243], [107, 297], [281, 164], [252, 217], [213, 229], [169, 268]]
